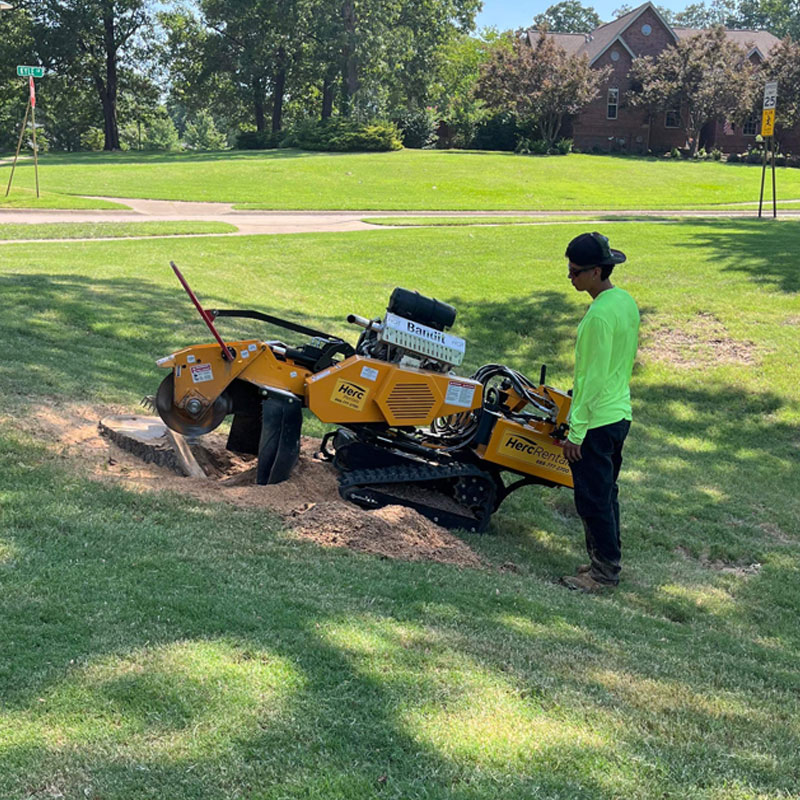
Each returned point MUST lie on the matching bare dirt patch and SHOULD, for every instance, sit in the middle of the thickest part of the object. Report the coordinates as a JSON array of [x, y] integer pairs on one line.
[[701, 342], [308, 502], [718, 565]]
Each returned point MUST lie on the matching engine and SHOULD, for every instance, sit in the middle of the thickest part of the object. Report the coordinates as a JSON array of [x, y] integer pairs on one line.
[[412, 334]]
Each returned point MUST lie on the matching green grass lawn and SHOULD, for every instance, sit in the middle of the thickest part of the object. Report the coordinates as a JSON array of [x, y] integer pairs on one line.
[[408, 179], [26, 198], [109, 230], [157, 647]]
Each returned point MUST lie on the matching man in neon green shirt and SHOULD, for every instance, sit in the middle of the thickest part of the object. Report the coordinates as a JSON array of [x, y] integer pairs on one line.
[[600, 416]]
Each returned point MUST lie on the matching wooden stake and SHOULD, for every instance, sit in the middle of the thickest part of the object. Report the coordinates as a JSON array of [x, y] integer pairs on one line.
[[19, 144]]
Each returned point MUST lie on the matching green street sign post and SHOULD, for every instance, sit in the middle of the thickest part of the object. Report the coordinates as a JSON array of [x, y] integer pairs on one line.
[[30, 72]]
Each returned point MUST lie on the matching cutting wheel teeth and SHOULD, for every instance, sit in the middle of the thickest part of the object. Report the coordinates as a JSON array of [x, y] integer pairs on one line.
[[149, 402]]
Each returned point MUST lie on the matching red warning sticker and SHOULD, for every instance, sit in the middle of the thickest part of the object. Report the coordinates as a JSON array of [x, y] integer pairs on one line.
[[201, 373]]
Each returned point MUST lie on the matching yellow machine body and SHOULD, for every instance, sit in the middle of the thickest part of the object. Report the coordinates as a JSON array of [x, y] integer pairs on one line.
[[528, 450], [366, 390], [201, 372]]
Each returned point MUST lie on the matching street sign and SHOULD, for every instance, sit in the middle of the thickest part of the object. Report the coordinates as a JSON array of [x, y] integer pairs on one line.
[[770, 94], [767, 122], [30, 72]]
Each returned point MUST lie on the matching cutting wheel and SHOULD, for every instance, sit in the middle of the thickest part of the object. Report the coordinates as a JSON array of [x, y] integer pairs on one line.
[[181, 422]]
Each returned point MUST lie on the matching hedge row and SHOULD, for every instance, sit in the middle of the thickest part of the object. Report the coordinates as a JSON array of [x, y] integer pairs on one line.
[[333, 135]]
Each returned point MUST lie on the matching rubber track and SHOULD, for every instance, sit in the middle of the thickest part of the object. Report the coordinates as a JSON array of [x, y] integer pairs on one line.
[[371, 481]]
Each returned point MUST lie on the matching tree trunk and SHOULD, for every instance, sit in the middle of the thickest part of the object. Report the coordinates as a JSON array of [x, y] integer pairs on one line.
[[108, 90], [328, 83], [349, 66], [258, 105], [279, 90]]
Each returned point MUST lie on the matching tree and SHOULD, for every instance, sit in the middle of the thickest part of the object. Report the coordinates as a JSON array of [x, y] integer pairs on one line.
[[784, 66], [779, 17], [568, 16], [626, 8], [707, 76], [717, 12], [540, 85], [92, 39]]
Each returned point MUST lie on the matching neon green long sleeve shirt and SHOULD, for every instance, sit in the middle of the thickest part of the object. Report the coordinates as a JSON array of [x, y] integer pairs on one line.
[[608, 338]]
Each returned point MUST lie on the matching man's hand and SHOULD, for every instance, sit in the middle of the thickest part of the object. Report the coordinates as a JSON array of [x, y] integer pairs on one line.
[[572, 452]]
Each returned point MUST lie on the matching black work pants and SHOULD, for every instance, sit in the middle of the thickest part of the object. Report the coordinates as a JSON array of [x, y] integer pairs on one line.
[[596, 493]]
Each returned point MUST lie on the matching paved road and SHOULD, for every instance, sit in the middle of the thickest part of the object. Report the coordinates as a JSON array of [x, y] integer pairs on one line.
[[272, 222]]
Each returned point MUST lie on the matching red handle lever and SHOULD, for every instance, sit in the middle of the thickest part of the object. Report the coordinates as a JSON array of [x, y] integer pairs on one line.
[[227, 353]]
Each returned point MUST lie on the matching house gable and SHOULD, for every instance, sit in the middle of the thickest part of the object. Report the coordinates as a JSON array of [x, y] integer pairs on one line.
[[643, 30]]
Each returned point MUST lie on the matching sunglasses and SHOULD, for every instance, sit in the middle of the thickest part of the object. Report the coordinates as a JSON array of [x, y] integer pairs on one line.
[[573, 273]]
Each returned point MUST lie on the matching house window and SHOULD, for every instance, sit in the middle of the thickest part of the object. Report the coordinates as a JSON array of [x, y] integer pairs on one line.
[[673, 118], [750, 128], [613, 103], [646, 29]]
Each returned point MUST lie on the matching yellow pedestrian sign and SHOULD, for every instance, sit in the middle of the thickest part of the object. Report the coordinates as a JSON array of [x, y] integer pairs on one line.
[[768, 122]]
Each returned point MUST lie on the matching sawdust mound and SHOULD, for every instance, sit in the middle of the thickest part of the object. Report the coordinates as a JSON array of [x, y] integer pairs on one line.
[[391, 532], [308, 502]]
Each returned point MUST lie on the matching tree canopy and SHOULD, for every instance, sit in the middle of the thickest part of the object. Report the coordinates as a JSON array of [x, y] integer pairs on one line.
[[706, 76], [568, 16], [541, 85]]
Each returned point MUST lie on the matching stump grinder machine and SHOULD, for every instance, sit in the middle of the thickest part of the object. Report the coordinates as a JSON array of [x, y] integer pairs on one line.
[[409, 429]]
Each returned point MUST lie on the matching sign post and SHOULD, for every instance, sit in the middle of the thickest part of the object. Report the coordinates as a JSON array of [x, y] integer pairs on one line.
[[767, 132], [30, 73]]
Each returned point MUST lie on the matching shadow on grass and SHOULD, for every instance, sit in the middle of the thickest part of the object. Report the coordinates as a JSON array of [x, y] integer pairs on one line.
[[766, 253], [82, 337], [178, 602], [165, 649], [152, 157]]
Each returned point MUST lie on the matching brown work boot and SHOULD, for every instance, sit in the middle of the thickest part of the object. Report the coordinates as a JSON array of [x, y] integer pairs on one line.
[[584, 582], [583, 569]]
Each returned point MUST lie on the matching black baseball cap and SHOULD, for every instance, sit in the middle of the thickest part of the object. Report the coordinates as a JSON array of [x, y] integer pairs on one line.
[[592, 250]]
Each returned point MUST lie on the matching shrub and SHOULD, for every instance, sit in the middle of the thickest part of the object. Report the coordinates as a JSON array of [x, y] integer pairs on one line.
[[42, 142], [162, 135], [734, 158], [498, 132], [256, 140], [754, 157], [339, 135], [716, 154], [129, 136], [793, 161], [674, 153], [202, 134], [92, 139], [780, 160], [418, 127], [562, 147]]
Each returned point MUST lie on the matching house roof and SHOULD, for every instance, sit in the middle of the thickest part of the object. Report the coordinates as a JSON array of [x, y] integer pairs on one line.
[[594, 44], [762, 41]]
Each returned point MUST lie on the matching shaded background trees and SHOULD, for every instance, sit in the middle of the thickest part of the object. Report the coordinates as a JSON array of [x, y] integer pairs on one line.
[[141, 73]]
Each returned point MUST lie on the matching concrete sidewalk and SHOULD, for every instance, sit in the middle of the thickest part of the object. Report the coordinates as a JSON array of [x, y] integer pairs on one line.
[[275, 222]]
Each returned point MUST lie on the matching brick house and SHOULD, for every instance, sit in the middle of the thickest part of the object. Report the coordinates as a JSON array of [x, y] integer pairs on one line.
[[607, 124]]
